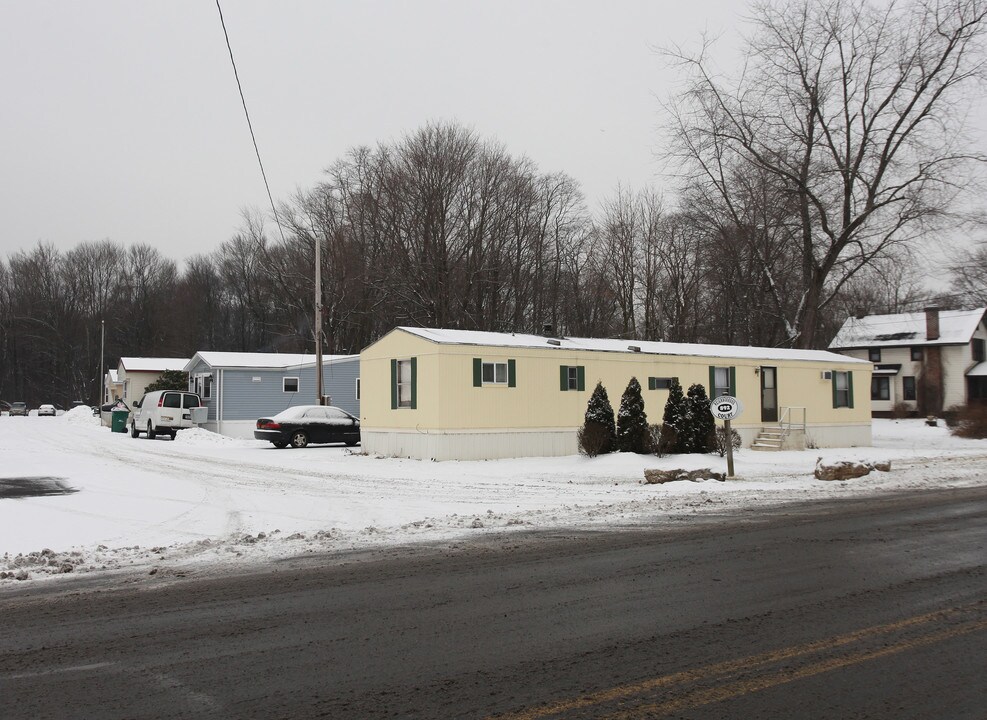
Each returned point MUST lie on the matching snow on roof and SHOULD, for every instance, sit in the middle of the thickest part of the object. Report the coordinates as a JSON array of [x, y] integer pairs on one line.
[[645, 347], [260, 360], [113, 376], [145, 364], [955, 327], [978, 370]]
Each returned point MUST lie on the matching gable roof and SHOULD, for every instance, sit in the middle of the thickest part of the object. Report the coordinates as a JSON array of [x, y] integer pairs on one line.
[[271, 361], [956, 327], [646, 347], [143, 364]]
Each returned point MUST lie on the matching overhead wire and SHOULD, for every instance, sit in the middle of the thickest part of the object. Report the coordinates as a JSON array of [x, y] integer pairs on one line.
[[250, 125]]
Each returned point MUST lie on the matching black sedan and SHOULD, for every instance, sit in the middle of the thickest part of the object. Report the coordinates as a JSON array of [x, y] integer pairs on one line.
[[298, 426]]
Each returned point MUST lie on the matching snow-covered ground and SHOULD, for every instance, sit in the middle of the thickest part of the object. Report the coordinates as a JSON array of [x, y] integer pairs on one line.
[[205, 500]]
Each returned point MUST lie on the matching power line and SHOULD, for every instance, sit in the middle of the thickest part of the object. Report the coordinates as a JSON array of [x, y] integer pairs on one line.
[[249, 124]]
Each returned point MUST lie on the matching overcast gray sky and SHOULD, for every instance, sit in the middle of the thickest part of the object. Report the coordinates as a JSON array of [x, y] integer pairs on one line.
[[122, 120]]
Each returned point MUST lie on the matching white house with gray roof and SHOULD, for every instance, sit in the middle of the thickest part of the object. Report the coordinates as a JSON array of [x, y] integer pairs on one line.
[[924, 361], [239, 387], [136, 373]]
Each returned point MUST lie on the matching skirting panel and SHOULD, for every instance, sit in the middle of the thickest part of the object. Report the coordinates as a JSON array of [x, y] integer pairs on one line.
[[492, 445], [232, 428], [469, 445]]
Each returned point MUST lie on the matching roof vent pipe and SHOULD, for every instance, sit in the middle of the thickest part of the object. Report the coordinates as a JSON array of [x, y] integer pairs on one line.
[[634, 348], [931, 323]]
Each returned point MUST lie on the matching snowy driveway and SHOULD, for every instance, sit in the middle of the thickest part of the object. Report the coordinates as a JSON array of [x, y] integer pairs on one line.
[[207, 498]]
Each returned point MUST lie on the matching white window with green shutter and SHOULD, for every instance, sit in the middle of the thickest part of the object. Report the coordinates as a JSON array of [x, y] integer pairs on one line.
[[572, 377], [404, 381], [722, 381], [661, 383], [842, 389], [494, 372]]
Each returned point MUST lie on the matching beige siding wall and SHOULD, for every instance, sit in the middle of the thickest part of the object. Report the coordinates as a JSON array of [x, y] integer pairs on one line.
[[134, 383], [447, 400]]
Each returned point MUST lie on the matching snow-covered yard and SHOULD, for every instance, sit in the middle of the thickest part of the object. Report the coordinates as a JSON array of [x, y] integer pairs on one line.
[[205, 499]]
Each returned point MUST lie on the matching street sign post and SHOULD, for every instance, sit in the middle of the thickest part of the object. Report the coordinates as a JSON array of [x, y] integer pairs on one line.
[[726, 408]]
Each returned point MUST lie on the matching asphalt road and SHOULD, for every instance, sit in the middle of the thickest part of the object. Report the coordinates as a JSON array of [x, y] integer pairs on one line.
[[858, 609]]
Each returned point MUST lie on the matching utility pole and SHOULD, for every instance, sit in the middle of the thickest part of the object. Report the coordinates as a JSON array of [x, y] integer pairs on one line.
[[318, 321], [102, 358]]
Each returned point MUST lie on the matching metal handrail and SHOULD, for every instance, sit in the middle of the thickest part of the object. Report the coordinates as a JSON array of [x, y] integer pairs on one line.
[[786, 423]]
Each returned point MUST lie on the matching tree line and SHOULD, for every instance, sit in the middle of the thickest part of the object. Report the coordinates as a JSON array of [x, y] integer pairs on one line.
[[803, 185]]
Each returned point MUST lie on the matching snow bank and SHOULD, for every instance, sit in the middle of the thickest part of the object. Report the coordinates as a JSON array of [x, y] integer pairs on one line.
[[80, 415]]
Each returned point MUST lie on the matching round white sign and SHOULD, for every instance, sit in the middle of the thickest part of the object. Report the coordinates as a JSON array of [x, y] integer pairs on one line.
[[726, 407]]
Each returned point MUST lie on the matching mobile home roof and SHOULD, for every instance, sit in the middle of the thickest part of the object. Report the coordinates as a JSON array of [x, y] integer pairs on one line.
[[519, 340]]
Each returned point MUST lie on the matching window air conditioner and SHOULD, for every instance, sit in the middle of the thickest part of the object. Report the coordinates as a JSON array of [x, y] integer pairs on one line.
[[826, 375]]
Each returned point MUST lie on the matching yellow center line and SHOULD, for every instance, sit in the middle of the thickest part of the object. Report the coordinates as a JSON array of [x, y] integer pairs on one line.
[[724, 668], [744, 687]]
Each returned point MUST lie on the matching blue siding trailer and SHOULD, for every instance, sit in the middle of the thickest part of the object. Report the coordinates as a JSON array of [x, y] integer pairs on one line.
[[238, 388]]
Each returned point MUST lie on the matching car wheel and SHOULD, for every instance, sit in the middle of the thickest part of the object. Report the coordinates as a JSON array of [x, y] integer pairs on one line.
[[150, 431], [173, 433], [280, 445], [134, 432], [299, 439]]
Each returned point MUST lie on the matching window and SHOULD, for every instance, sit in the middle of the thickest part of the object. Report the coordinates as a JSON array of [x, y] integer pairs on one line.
[[842, 389], [660, 383], [880, 388], [917, 354], [358, 388], [908, 387], [494, 372], [722, 381], [190, 401], [289, 384], [201, 385], [875, 354], [572, 377], [978, 388], [404, 383], [977, 349], [172, 400], [337, 415]]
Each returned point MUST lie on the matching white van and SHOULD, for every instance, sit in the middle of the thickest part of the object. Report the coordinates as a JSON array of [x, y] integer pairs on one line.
[[165, 412]]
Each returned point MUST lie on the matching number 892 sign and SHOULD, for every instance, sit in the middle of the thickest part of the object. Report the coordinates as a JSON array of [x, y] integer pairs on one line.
[[725, 407]]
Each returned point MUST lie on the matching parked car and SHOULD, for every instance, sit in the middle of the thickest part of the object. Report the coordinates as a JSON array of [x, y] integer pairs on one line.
[[18, 408], [298, 426], [165, 412], [46, 409]]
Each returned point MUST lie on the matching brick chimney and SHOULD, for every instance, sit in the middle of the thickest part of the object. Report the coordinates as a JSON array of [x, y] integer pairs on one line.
[[931, 323]]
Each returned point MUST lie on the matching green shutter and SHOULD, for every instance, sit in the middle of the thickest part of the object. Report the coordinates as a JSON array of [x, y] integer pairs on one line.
[[511, 374], [835, 396], [581, 377], [414, 383], [394, 384], [849, 387], [652, 383], [477, 372], [712, 382], [733, 381], [563, 377]]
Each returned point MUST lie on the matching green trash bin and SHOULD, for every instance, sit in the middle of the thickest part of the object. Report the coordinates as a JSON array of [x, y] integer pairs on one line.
[[118, 422]]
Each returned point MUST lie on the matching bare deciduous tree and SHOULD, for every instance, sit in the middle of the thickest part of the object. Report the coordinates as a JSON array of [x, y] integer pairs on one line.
[[855, 113]]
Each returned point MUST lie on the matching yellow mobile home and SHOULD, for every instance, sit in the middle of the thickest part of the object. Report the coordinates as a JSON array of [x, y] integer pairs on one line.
[[466, 395]]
